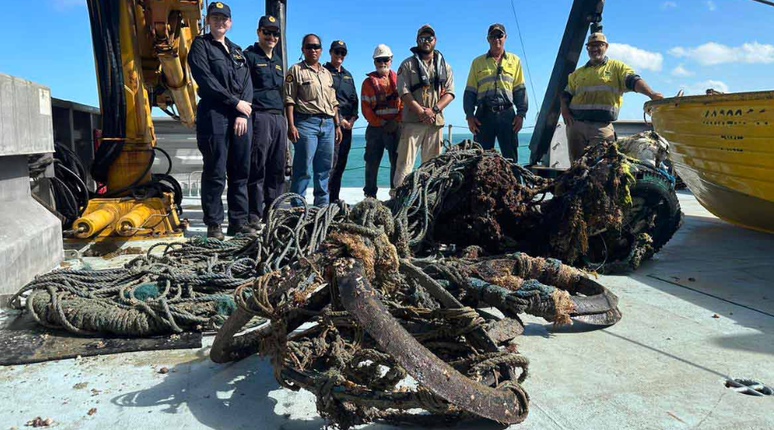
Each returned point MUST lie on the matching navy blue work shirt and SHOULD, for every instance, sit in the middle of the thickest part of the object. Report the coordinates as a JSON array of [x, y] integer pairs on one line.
[[222, 76], [267, 78], [346, 94]]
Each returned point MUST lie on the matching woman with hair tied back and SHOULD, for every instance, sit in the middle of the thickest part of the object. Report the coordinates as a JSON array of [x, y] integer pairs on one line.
[[313, 121], [223, 129]]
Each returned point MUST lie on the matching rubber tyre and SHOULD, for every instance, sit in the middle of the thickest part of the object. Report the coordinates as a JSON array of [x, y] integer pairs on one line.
[[658, 193]]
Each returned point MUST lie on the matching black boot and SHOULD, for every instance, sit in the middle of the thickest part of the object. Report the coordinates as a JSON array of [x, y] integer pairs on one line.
[[242, 228], [255, 222], [214, 231]]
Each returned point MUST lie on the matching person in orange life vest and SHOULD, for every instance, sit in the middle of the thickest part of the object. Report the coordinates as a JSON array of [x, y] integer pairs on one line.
[[382, 106]]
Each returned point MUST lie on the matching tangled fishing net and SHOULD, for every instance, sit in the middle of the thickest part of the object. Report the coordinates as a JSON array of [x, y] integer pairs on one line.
[[377, 308]]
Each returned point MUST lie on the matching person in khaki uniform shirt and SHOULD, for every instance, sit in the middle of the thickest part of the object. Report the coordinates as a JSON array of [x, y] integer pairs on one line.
[[313, 121], [426, 86]]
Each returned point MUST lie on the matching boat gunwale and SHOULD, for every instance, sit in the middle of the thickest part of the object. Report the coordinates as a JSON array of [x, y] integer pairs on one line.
[[708, 99]]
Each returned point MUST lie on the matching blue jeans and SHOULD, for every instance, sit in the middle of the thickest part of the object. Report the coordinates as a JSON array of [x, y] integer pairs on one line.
[[314, 149]]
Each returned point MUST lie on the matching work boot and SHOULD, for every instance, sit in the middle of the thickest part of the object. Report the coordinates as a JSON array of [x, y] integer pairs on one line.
[[255, 222], [241, 228], [214, 231]]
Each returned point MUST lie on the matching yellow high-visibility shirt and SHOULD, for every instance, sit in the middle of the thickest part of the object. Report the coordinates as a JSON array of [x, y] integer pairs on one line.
[[597, 91], [490, 84]]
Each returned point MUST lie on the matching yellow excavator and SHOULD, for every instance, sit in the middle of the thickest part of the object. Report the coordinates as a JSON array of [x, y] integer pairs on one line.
[[140, 51]]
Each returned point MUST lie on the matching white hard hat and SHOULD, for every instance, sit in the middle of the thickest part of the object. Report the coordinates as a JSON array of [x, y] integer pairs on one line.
[[382, 50]]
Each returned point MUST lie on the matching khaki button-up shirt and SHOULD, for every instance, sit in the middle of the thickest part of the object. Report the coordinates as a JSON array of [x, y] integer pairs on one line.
[[408, 75], [311, 92]]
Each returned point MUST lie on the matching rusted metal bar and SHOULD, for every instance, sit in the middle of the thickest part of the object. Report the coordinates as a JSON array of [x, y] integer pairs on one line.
[[362, 302], [228, 347]]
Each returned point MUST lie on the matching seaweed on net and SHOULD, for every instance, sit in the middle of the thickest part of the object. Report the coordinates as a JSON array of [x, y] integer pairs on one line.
[[357, 298], [503, 208]]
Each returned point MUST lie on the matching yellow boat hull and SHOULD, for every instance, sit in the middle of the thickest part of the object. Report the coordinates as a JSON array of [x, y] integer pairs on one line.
[[722, 146]]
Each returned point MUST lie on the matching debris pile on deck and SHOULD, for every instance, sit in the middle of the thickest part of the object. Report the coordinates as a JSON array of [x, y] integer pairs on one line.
[[358, 299]]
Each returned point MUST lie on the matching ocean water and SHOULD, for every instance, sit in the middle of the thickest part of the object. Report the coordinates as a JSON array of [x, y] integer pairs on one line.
[[354, 175]]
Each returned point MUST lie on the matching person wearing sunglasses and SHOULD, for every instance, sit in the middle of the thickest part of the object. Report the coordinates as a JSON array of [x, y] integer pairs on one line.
[[426, 87], [495, 86], [269, 139], [593, 97], [313, 121], [348, 110], [382, 108], [223, 129]]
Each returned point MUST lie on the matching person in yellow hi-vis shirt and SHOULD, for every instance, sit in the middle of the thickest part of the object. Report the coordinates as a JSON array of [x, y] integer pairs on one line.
[[594, 95], [495, 86]]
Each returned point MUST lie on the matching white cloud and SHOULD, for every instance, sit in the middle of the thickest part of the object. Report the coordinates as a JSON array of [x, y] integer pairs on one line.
[[711, 5], [700, 88], [637, 58], [681, 71], [713, 53], [668, 5]]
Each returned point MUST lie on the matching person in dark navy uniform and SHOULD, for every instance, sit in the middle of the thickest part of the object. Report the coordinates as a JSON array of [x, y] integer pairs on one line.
[[222, 128], [346, 94], [269, 140]]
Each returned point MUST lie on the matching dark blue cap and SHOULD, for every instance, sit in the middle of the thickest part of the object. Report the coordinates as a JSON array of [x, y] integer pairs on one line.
[[268, 21], [338, 44], [219, 7]]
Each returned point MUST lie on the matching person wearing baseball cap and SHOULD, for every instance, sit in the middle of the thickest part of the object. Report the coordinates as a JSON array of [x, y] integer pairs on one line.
[[495, 100], [382, 108], [223, 129], [269, 140], [346, 94], [593, 97], [426, 87]]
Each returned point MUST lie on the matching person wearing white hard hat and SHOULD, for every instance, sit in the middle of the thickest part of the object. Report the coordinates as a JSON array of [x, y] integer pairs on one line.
[[381, 105]]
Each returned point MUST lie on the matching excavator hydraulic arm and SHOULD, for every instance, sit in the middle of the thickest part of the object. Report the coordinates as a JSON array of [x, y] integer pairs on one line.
[[140, 50]]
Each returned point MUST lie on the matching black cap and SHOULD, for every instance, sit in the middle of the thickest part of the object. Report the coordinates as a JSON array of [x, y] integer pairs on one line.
[[338, 44], [268, 21], [219, 7], [495, 27]]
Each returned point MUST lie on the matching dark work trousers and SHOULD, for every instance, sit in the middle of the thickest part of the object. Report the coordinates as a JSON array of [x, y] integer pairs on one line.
[[226, 156], [377, 140], [267, 161], [498, 125], [340, 155]]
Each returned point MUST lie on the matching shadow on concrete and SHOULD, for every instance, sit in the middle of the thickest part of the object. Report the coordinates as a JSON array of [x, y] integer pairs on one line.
[[244, 395], [724, 269], [231, 396], [753, 342], [548, 329]]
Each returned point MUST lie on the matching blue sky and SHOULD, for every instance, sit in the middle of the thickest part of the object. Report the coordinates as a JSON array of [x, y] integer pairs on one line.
[[677, 44]]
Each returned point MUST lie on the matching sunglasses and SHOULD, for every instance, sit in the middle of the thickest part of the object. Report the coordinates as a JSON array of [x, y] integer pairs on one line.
[[340, 52], [312, 46], [270, 33], [426, 39], [382, 59], [497, 35]]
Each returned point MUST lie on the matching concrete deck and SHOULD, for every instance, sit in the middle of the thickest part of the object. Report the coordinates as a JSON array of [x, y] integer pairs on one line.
[[702, 311]]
